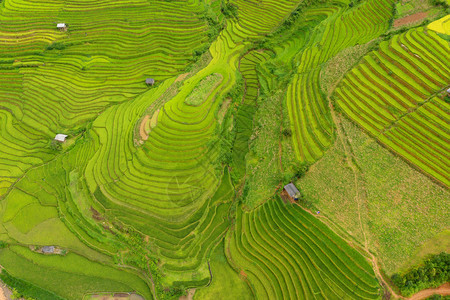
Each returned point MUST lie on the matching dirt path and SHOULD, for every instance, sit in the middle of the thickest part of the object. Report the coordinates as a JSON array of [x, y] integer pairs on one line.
[[349, 159], [280, 146], [443, 290], [151, 280], [5, 292], [360, 197], [189, 296], [2, 295]]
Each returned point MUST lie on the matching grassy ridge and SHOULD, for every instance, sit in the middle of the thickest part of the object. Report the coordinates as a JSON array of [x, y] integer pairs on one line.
[[401, 209], [246, 110]]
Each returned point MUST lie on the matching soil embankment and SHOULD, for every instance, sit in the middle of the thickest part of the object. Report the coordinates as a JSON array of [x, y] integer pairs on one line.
[[410, 19]]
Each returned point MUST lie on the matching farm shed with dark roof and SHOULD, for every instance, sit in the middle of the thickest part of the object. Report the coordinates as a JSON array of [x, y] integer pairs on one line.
[[292, 191], [150, 81], [48, 249]]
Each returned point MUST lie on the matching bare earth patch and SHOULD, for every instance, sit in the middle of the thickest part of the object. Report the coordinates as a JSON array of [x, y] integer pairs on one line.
[[189, 296], [142, 133], [2, 293], [223, 110], [147, 125], [443, 290], [410, 19], [181, 77]]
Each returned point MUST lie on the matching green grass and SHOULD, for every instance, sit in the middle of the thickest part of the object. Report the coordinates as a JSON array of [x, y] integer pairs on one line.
[[402, 211], [437, 244], [225, 280], [203, 90], [32, 215], [70, 277], [409, 7]]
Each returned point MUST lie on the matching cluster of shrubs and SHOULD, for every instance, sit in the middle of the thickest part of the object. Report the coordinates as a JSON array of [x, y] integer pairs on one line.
[[434, 272], [442, 3], [228, 9], [56, 46], [353, 3]]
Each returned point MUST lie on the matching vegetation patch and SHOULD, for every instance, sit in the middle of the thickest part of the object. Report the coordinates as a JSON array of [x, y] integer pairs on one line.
[[263, 160], [437, 244], [406, 8], [203, 89], [393, 195], [434, 272], [224, 281], [336, 67], [24, 289]]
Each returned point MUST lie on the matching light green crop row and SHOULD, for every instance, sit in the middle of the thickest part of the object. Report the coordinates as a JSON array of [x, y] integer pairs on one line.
[[392, 95], [293, 255]]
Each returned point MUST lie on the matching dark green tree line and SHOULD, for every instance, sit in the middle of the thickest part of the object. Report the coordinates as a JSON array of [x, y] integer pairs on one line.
[[434, 272]]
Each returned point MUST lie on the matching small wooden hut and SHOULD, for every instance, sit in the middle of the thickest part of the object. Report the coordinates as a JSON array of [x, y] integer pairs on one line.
[[48, 249], [61, 26], [292, 192], [60, 137]]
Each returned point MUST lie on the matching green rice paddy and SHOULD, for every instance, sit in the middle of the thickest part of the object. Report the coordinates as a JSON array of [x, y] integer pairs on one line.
[[158, 216], [395, 95]]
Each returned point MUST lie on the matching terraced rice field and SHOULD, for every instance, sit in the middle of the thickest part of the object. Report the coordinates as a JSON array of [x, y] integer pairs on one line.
[[151, 179], [308, 107], [166, 198], [47, 91], [441, 26], [247, 108], [286, 253], [394, 94]]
